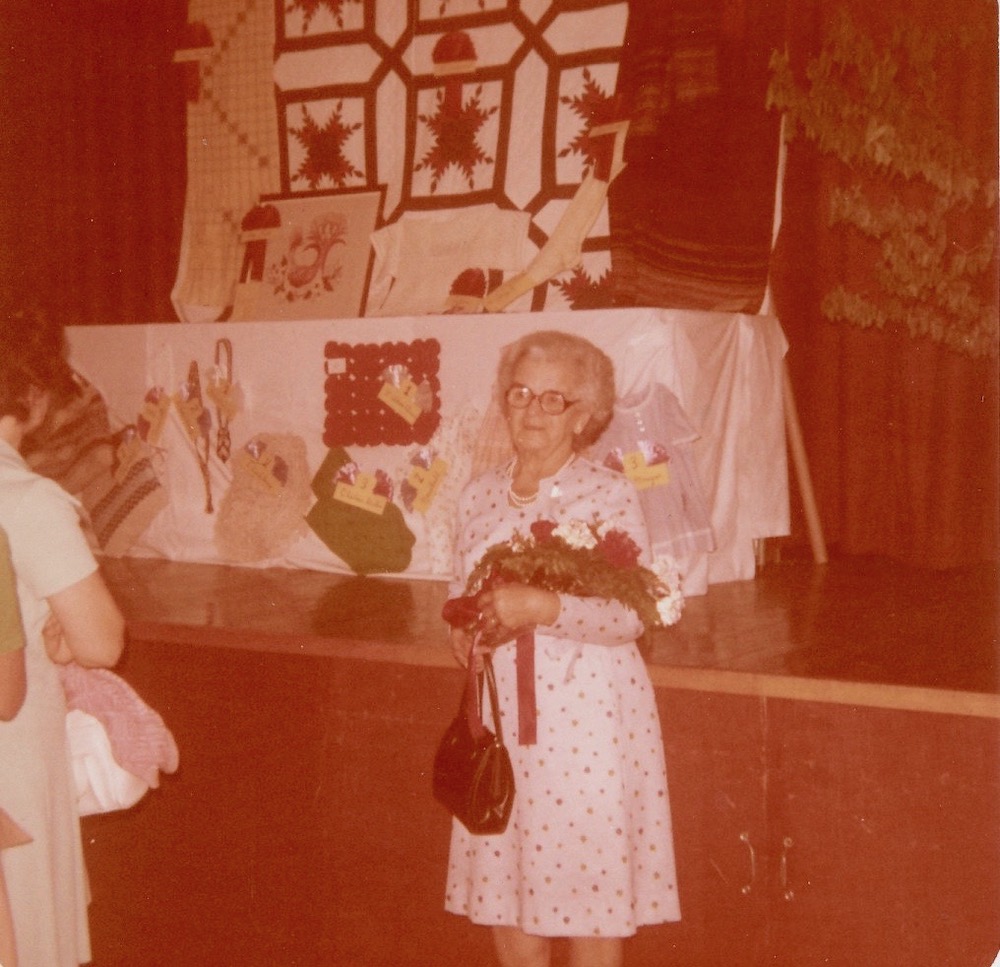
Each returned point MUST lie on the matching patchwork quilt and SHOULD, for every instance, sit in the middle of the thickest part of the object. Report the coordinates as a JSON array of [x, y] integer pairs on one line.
[[501, 106]]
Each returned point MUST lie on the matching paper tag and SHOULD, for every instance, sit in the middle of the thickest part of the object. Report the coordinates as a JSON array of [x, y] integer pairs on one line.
[[191, 411], [152, 416], [361, 494], [425, 481], [226, 396], [644, 475], [402, 400], [260, 468]]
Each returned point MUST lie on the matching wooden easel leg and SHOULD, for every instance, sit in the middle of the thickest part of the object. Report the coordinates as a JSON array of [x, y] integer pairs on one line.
[[802, 475]]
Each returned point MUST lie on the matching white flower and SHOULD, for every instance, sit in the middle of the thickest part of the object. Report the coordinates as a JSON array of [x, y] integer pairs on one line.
[[576, 533], [667, 570], [670, 605]]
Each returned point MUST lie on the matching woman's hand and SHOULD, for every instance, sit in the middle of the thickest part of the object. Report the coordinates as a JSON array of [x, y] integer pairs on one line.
[[461, 642], [508, 609], [55, 641], [504, 613]]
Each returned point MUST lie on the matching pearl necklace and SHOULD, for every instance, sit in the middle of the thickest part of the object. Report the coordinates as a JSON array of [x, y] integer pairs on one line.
[[516, 500]]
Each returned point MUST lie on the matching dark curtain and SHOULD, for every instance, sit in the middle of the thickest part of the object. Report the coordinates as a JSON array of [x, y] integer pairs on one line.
[[93, 157], [901, 432]]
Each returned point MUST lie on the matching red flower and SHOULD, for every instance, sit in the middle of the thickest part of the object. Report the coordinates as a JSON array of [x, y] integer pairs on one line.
[[618, 549], [461, 612], [541, 530]]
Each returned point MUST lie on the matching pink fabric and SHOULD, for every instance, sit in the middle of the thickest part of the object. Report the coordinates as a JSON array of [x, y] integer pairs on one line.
[[140, 741]]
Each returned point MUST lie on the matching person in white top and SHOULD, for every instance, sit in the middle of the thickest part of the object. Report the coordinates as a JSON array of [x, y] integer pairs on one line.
[[68, 614]]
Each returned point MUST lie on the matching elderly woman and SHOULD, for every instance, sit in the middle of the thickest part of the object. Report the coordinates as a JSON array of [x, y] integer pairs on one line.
[[68, 615], [588, 852]]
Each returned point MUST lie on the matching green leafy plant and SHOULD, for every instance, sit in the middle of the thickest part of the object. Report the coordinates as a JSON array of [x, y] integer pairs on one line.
[[879, 111]]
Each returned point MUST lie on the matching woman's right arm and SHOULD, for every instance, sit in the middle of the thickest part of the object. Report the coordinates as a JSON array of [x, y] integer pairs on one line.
[[91, 628], [56, 563]]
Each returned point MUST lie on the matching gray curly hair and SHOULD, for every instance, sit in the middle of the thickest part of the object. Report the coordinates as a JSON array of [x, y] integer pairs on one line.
[[594, 375]]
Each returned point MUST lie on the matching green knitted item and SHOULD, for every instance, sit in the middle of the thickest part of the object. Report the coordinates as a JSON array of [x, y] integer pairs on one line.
[[368, 543]]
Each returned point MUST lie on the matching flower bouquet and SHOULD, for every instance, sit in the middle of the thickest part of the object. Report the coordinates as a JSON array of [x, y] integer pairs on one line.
[[585, 558]]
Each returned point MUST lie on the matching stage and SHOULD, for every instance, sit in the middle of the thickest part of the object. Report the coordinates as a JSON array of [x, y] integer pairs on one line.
[[831, 739], [862, 630]]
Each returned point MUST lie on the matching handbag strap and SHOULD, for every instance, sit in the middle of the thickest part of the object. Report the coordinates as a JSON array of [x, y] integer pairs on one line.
[[474, 695]]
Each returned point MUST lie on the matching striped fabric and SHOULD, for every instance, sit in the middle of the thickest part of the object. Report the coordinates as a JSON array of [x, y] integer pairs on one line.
[[73, 446], [122, 512], [691, 215]]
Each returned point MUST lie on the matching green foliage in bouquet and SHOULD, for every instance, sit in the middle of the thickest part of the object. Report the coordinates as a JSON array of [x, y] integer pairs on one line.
[[588, 559]]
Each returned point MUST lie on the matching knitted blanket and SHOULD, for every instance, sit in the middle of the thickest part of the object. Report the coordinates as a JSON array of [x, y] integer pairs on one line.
[[140, 741]]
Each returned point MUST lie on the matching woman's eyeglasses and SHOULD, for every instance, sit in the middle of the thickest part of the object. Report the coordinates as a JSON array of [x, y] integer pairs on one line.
[[551, 401]]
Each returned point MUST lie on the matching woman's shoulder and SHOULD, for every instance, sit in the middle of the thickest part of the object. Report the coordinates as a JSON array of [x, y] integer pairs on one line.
[[596, 485], [598, 474], [31, 486], [36, 500], [48, 545], [488, 479]]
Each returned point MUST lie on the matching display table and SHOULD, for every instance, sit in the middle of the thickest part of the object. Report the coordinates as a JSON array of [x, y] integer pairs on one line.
[[724, 369]]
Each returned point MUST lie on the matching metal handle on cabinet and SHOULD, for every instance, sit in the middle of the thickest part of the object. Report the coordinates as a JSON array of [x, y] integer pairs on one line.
[[786, 892], [748, 887]]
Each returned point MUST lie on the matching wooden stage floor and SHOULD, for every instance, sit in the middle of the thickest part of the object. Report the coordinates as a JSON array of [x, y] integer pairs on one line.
[[854, 619]]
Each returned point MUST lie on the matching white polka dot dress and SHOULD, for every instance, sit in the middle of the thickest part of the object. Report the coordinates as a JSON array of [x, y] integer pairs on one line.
[[589, 848]]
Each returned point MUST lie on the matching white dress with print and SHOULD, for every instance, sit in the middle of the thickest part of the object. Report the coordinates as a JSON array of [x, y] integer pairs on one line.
[[589, 848], [46, 879]]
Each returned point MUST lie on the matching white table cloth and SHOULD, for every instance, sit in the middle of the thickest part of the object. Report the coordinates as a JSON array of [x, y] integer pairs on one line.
[[725, 369]]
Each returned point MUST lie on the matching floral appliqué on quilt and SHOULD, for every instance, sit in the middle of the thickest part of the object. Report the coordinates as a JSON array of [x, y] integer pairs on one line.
[[583, 292], [594, 107], [455, 126], [324, 148], [310, 8]]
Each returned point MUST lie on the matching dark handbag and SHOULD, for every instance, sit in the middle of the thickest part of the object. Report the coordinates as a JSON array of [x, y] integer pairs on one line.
[[473, 778]]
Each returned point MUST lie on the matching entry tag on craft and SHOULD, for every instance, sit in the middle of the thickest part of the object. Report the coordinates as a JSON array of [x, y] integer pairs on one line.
[[645, 475], [193, 414], [360, 493], [425, 482], [263, 465], [152, 415], [402, 400]]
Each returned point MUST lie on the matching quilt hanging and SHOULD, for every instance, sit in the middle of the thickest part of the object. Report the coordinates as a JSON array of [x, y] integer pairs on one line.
[[495, 117]]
